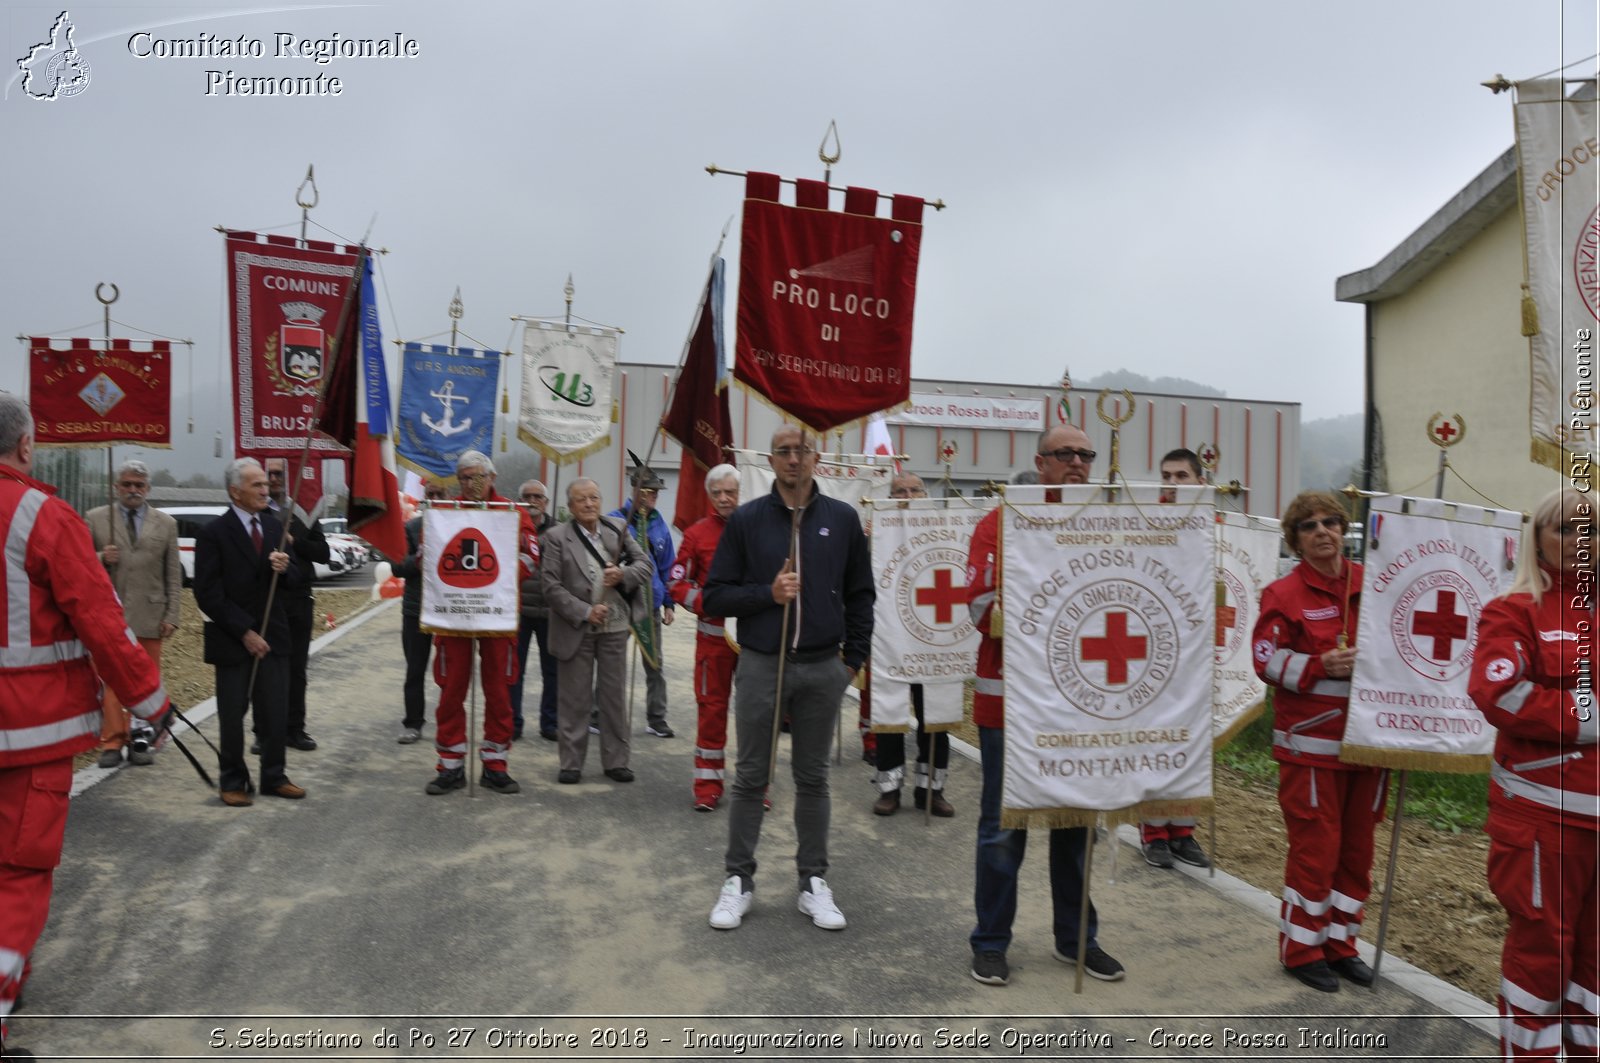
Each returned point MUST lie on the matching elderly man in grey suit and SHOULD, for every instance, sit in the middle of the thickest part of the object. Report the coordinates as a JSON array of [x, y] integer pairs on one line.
[[595, 577], [138, 545]]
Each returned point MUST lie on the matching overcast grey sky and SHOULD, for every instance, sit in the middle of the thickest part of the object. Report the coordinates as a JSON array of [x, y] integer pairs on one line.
[[1167, 187]]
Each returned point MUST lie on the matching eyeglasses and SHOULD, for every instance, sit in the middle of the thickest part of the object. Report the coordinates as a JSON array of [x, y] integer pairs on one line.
[[1066, 454], [1313, 524], [790, 453]]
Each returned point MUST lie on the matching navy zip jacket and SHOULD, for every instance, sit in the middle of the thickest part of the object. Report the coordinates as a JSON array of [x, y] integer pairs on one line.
[[836, 592]]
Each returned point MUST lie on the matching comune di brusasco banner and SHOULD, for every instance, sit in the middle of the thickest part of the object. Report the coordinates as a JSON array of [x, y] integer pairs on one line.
[[1109, 622], [922, 630], [1431, 567]]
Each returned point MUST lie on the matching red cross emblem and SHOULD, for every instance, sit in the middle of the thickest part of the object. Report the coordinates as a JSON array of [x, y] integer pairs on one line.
[[1116, 648], [1445, 431], [1227, 616], [1444, 625], [945, 595]]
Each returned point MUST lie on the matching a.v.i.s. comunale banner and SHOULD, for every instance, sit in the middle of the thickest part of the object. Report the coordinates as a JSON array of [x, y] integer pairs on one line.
[[1431, 567], [922, 631], [567, 375], [1109, 626], [1558, 145], [96, 393], [469, 570], [1247, 560], [825, 302], [447, 397]]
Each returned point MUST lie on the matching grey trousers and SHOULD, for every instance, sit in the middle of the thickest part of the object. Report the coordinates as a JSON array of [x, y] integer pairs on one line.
[[811, 694], [593, 678]]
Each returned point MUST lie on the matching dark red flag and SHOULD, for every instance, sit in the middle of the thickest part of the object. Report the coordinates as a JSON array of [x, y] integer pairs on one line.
[[825, 303], [698, 417]]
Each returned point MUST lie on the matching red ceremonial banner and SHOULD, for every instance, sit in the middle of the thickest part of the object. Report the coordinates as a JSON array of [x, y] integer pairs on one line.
[[88, 395], [825, 302], [698, 417], [286, 304]]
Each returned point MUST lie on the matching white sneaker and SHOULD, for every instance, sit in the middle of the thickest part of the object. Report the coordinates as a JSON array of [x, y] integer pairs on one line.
[[732, 903], [817, 902]]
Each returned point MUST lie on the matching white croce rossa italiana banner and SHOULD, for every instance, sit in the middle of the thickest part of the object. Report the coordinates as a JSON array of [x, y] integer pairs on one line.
[[469, 570], [567, 373], [1559, 151], [922, 630], [1109, 626], [1247, 560], [850, 477], [1431, 567]]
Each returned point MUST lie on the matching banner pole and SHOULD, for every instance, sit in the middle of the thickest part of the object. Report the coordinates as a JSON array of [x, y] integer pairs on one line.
[[783, 654], [1443, 442], [474, 662], [1083, 907]]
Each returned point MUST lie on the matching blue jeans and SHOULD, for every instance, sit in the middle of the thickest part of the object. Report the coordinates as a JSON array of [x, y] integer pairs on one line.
[[1000, 854]]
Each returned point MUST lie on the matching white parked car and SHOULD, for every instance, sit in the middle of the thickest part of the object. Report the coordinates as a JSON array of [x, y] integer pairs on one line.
[[355, 548]]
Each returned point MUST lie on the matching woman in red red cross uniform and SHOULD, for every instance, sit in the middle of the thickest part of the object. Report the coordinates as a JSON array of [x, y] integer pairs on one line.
[[1330, 809], [1531, 679]]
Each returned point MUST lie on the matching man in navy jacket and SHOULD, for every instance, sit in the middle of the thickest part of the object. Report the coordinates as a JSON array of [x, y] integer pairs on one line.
[[793, 566]]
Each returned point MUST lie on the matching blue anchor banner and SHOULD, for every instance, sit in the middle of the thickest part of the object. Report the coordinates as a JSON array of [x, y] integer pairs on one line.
[[447, 397]]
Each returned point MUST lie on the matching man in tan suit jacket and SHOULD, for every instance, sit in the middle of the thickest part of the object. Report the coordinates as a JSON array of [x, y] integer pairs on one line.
[[138, 544], [594, 576]]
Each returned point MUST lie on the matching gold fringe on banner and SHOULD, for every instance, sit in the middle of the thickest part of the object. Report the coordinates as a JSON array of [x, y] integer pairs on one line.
[[1550, 455], [1245, 719], [820, 433], [466, 634], [1067, 818], [891, 729], [1530, 313], [558, 457], [1416, 760], [102, 446]]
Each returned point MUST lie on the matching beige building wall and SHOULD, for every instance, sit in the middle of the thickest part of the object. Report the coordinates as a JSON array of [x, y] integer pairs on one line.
[[1452, 343]]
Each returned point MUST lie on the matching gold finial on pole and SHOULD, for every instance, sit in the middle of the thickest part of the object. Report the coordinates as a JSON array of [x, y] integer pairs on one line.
[[1116, 421]]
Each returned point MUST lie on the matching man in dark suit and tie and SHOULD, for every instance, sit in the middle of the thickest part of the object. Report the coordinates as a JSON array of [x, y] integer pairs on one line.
[[235, 559]]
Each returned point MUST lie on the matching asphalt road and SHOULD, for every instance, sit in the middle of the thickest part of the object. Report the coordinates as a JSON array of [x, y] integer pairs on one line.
[[372, 910]]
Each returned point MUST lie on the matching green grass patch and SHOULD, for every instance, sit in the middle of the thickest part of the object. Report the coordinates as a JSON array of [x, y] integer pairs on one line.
[[1443, 800]]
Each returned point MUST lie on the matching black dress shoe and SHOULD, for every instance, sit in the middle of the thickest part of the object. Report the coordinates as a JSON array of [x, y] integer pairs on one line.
[[1318, 975], [549, 736], [620, 774], [301, 741], [568, 776], [1354, 969]]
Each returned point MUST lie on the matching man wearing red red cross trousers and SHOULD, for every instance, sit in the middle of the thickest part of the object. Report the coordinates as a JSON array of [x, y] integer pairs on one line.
[[1064, 457]]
